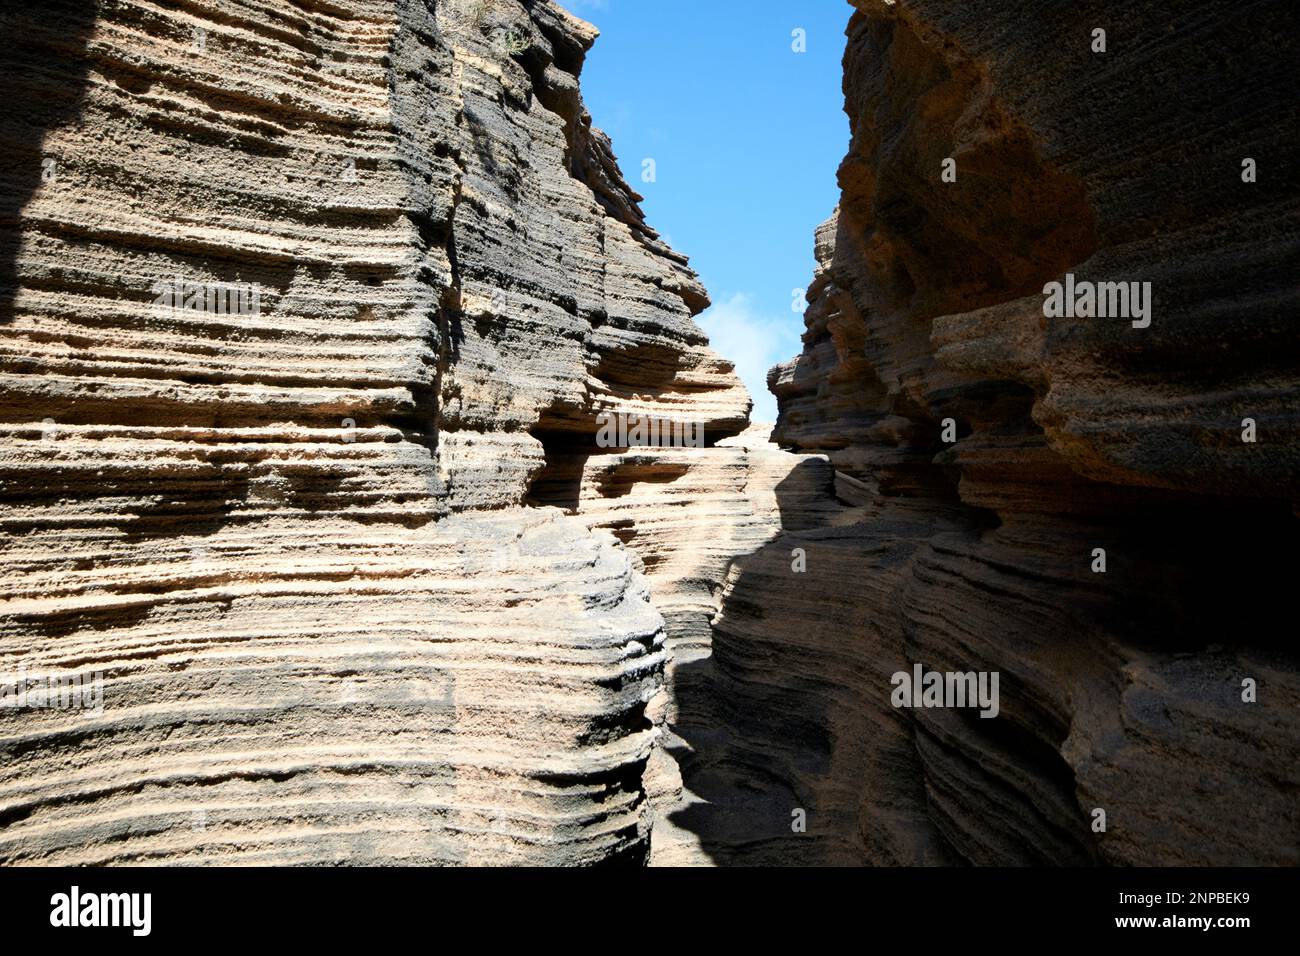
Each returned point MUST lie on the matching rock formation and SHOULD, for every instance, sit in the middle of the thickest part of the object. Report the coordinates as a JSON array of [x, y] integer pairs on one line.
[[310, 313], [293, 536], [1121, 691]]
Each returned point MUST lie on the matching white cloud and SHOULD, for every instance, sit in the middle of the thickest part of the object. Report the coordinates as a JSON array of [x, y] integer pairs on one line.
[[755, 342]]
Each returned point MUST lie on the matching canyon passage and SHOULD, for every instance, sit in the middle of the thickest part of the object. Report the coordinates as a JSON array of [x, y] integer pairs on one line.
[[364, 586]]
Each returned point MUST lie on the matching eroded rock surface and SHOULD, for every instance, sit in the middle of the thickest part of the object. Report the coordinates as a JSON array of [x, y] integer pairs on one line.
[[306, 546], [364, 588], [1120, 691]]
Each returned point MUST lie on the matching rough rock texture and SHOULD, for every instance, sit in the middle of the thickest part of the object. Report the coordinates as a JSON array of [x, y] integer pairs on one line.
[[364, 588], [307, 547], [687, 514], [1119, 690]]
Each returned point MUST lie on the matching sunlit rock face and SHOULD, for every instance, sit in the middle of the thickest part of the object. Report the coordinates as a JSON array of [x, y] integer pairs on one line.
[[985, 450], [303, 306], [310, 317]]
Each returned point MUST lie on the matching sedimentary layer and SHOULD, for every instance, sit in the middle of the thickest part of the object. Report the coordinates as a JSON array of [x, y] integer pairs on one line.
[[1073, 503], [301, 540], [363, 586]]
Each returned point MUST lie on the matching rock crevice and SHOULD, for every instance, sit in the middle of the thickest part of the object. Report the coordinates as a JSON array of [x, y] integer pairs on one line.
[[362, 585]]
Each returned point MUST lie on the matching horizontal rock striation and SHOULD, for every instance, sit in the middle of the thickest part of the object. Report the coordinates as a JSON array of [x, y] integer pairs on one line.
[[301, 305], [974, 550], [310, 317]]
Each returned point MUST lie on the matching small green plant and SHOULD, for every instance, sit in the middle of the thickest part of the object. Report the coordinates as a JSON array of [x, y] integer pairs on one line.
[[512, 41]]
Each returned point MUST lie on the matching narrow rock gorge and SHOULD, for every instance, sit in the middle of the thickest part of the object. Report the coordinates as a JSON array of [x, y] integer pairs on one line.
[[364, 587]]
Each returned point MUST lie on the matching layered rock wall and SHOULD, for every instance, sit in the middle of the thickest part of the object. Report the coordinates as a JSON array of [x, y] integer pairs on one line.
[[296, 540], [1121, 691], [363, 586]]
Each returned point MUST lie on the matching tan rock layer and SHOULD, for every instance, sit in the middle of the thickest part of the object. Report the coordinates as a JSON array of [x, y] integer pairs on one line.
[[294, 541]]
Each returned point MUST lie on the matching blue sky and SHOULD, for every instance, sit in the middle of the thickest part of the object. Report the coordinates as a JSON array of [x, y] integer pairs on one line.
[[745, 135]]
